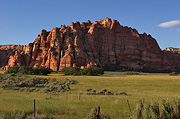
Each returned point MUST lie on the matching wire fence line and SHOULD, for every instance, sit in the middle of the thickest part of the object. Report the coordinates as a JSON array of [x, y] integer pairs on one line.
[[117, 115]]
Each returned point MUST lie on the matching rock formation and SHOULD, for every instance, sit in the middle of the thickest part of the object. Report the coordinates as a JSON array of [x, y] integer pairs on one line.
[[104, 42], [173, 50], [7, 51]]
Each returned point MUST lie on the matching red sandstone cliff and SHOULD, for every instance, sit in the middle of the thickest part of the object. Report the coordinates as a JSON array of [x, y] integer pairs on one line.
[[104, 42], [7, 51]]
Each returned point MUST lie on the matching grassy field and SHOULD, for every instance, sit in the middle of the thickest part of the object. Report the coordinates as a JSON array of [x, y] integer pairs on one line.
[[150, 87]]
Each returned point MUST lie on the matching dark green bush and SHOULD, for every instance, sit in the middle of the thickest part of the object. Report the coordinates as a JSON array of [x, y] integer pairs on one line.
[[173, 74], [14, 69], [71, 71], [28, 70], [41, 71], [36, 71], [92, 71], [25, 70]]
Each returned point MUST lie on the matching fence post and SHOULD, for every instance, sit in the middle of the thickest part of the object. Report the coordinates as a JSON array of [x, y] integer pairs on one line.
[[129, 107], [79, 96], [97, 114], [34, 108]]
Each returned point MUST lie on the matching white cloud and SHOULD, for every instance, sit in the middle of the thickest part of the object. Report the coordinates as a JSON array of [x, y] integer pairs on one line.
[[175, 23], [178, 29]]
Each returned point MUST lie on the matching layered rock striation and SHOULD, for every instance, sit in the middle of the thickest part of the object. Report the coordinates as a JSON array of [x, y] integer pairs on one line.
[[104, 42]]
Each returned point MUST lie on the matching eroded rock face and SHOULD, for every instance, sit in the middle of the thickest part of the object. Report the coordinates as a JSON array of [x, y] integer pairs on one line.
[[7, 51], [104, 42]]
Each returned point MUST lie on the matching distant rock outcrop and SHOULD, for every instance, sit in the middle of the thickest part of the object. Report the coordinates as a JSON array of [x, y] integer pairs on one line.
[[104, 42], [173, 50]]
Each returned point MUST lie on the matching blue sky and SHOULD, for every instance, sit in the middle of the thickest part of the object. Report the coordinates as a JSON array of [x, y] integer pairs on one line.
[[22, 20]]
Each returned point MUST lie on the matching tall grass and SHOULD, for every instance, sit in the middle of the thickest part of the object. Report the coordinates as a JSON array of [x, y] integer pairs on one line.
[[158, 110]]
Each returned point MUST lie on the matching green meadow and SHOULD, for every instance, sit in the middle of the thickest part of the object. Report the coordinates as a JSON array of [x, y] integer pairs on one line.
[[72, 105]]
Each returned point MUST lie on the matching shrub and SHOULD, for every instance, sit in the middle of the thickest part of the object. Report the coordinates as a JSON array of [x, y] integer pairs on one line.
[[36, 71], [25, 70], [71, 71], [41, 71], [14, 69], [29, 70], [92, 71], [173, 74]]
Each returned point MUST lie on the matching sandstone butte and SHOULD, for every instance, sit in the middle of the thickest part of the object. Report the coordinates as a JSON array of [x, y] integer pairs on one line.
[[104, 42]]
